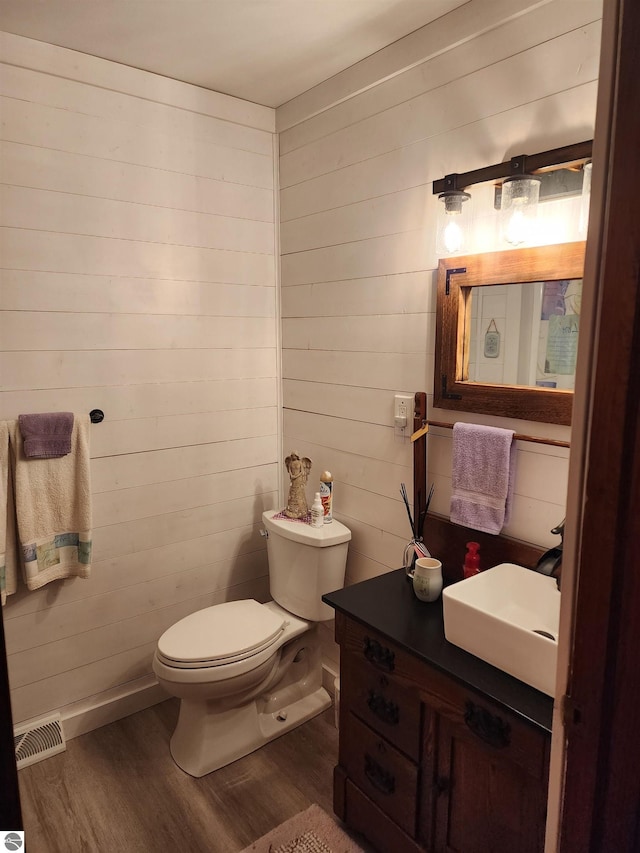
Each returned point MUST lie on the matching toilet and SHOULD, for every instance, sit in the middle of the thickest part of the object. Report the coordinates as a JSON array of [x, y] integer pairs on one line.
[[245, 672]]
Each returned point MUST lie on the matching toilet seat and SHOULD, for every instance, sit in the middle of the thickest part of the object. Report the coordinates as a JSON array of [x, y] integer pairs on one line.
[[223, 634]]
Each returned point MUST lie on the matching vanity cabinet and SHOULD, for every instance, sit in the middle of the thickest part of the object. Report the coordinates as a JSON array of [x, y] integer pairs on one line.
[[426, 764]]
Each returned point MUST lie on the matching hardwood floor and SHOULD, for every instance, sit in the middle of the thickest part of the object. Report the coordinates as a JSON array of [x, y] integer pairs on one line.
[[117, 789]]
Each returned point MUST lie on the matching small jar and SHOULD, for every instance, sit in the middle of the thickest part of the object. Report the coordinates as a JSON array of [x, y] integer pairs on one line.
[[427, 579]]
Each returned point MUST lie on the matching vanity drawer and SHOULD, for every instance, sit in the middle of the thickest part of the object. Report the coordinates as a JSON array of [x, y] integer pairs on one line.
[[382, 702], [374, 650], [365, 817], [386, 776]]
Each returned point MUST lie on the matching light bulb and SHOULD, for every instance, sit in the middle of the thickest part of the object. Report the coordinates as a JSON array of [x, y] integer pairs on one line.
[[453, 237], [517, 229], [453, 222]]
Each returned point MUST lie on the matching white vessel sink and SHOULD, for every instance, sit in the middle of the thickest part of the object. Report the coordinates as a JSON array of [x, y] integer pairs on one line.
[[499, 615]]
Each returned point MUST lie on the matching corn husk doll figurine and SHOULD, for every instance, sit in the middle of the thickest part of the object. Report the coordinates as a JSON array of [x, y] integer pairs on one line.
[[298, 473]]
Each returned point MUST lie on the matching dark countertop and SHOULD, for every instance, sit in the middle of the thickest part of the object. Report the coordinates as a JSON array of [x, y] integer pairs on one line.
[[387, 604]]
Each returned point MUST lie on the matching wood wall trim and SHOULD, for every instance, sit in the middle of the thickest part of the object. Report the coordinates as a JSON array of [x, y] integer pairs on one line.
[[601, 800], [442, 536]]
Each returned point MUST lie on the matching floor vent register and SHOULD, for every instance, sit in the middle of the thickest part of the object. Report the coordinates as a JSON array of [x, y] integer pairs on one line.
[[38, 740]]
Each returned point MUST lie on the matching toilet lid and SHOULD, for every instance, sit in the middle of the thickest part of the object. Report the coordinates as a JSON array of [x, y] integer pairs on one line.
[[221, 634]]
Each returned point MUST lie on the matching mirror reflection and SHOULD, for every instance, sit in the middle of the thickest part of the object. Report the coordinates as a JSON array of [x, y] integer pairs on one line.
[[524, 334]]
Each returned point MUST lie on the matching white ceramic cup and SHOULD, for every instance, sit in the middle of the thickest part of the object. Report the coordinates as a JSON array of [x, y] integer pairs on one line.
[[427, 578]]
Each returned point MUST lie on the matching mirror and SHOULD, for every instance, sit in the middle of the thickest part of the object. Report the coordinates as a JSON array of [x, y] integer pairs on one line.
[[525, 333], [507, 326]]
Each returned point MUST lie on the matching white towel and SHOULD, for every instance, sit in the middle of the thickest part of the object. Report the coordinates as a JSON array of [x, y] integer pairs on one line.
[[53, 509], [483, 475]]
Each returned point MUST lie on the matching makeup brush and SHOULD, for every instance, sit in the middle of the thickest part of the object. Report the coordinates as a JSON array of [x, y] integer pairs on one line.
[[405, 498], [430, 495]]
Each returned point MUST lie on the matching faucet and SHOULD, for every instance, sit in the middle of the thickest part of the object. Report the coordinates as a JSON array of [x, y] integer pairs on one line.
[[551, 561]]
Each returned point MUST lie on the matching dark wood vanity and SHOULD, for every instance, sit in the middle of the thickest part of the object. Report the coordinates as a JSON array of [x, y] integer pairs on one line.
[[438, 750]]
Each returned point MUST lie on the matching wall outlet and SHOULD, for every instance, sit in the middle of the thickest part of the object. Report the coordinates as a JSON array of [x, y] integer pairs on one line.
[[402, 411]]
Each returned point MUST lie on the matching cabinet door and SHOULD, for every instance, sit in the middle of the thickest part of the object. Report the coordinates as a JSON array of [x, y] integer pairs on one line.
[[486, 802]]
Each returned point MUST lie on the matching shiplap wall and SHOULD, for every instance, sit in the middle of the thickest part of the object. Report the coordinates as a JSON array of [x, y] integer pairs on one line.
[[358, 256], [138, 277]]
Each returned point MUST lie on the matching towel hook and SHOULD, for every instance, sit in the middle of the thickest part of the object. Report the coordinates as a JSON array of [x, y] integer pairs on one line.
[[96, 415]]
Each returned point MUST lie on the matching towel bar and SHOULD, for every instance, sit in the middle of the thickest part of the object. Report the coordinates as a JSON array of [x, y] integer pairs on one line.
[[517, 437]]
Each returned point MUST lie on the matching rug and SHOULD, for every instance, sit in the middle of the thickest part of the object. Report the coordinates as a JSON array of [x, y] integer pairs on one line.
[[311, 831]]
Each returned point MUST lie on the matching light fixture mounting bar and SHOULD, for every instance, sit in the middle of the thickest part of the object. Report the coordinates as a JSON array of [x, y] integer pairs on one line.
[[522, 164]]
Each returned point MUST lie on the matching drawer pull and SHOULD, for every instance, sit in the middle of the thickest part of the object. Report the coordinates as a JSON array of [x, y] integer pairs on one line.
[[385, 710], [488, 727], [379, 655], [380, 778]]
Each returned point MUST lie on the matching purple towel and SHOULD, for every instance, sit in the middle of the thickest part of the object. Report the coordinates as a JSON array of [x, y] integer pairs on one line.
[[483, 475], [46, 435]]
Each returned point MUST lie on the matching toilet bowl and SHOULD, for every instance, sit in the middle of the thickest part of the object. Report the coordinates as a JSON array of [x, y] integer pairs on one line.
[[247, 672]]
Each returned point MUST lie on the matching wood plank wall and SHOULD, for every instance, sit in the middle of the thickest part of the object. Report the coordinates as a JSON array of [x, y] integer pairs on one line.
[[358, 255], [138, 277]]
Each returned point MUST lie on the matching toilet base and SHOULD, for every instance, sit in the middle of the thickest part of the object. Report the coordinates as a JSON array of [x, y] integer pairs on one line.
[[214, 732], [204, 742]]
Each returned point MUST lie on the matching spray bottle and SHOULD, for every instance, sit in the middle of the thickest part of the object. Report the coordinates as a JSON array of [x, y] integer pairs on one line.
[[317, 512], [326, 495]]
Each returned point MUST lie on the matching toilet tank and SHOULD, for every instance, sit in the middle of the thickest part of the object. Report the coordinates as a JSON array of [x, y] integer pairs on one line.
[[304, 563]]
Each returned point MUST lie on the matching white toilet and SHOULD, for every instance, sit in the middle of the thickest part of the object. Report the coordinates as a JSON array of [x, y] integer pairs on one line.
[[247, 672]]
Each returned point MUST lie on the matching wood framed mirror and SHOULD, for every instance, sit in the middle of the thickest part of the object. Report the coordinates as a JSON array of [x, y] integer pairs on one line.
[[507, 326]]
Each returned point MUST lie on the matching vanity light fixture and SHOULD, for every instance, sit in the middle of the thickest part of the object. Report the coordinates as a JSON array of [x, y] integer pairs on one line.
[[520, 183], [453, 221]]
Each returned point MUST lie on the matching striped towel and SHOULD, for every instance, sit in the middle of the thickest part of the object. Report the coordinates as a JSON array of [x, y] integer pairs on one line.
[[53, 509]]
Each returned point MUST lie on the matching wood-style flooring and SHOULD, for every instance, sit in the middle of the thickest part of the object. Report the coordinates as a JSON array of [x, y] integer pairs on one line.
[[117, 789]]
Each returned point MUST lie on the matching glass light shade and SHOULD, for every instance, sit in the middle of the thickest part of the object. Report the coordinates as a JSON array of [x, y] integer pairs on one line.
[[453, 223], [519, 209], [585, 200]]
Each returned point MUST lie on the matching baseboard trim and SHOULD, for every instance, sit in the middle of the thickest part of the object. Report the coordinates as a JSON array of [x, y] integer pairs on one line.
[[97, 711], [105, 708], [329, 675]]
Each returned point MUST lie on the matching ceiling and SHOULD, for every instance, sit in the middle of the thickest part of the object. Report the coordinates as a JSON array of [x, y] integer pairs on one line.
[[265, 51]]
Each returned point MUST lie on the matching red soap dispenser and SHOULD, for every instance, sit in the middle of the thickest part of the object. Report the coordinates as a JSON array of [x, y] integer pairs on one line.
[[471, 560]]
